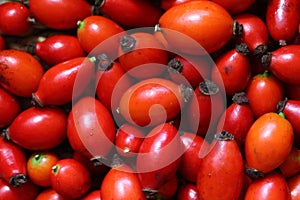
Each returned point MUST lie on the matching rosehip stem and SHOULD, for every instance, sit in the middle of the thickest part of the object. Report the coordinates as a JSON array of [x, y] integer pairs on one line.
[[208, 87], [240, 98], [18, 180], [224, 136], [127, 43], [103, 62], [175, 66]]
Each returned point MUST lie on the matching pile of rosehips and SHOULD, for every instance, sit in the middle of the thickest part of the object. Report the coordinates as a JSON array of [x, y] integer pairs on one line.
[[141, 99]]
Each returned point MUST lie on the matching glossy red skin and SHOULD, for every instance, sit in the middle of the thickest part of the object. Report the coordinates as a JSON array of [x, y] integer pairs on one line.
[[294, 186], [255, 31], [272, 186], [284, 64], [237, 120], [14, 19], [57, 84], [93, 195], [98, 34], [13, 160], [292, 113], [94, 136], [121, 182], [50, 193], [232, 69], [20, 72], [58, 48], [188, 191], [132, 13], [223, 164], [2, 43], [212, 28], [291, 166], [136, 103], [39, 166], [39, 128], [235, 6], [190, 160], [111, 84], [128, 140], [261, 86], [28, 191], [9, 106], [194, 70], [147, 58], [159, 156], [70, 178], [268, 142], [202, 103], [62, 14], [282, 19]]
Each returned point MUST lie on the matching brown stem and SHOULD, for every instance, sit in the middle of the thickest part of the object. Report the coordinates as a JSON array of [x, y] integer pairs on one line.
[[17, 180], [104, 63], [224, 136], [150, 193], [35, 101], [242, 49], [260, 50], [254, 173], [237, 29], [127, 43], [96, 6], [266, 59], [98, 160], [187, 92], [208, 87], [5, 134], [281, 104], [240, 98], [175, 66]]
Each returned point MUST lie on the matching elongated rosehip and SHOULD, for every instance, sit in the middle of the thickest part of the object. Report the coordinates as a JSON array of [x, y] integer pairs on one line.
[[142, 55], [238, 118], [233, 69], [206, 22], [99, 34], [57, 48], [255, 33], [153, 101], [14, 19], [282, 19], [94, 135], [268, 142], [283, 63], [112, 82], [64, 81], [38, 128], [20, 72], [224, 163], [60, 14], [159, 156], [13, 163]]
